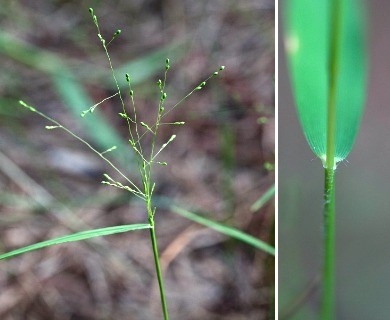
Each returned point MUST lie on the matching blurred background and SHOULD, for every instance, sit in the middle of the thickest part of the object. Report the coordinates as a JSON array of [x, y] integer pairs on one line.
[[362, 201], [221, 162]]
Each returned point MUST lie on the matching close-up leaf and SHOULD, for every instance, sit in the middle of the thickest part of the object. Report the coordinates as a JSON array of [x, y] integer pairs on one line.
[[307, 42]]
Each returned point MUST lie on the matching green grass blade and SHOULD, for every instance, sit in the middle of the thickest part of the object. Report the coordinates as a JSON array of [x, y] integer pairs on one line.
[[263, 199], [231, 232], [307, 40], [27, 54], [83, 235]]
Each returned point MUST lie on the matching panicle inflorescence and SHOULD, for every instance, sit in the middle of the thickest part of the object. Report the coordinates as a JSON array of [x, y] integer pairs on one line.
[[145, 158]]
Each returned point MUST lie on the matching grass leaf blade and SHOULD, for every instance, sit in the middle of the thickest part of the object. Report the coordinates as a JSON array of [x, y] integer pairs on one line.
[[83, 235], [229, 231]]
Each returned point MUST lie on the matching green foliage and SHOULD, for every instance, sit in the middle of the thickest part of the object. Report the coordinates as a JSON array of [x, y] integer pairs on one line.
[[307, 40], [229, 231], [83, 235]]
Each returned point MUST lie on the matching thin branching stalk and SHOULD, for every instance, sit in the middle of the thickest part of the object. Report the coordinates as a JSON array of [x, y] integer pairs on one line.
[[136, 191]]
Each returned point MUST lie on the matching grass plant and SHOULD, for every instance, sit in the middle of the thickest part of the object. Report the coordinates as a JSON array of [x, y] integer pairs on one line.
[[143, 141], [326, 55]]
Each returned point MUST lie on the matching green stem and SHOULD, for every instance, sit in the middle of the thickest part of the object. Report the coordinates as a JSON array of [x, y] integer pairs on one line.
[[327, 300], [158, 271], [327, 303]]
